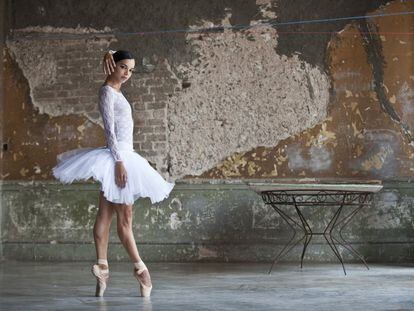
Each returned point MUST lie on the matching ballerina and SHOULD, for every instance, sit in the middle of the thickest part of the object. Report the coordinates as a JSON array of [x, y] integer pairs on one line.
[[123, 174]]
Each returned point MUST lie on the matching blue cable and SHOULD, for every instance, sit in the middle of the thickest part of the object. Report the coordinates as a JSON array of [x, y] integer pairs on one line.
[[275, 24], [221, 28]]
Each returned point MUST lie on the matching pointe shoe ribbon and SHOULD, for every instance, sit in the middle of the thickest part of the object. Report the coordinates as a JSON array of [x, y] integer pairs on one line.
[[140, 267], [102, 276]]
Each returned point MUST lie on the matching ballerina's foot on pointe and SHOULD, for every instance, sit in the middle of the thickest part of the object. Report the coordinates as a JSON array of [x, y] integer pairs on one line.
[[101, 272], [141, 273]]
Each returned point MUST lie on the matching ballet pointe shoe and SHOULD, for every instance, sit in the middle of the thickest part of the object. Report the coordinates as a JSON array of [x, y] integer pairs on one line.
[[140, 267], [102, 276]]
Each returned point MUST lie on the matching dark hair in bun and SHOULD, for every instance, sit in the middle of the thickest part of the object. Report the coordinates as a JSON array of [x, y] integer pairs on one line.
[[120, 55]]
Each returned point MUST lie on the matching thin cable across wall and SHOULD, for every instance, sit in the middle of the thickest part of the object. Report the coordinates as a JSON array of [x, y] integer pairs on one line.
[[59, 36]]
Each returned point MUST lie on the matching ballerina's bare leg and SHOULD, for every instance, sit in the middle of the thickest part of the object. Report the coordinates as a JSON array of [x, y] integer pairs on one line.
[[102, 226], [124, 228]]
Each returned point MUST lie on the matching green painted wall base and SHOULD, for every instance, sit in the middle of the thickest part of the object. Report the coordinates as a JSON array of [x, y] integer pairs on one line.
[[378, 252], [206, 221]]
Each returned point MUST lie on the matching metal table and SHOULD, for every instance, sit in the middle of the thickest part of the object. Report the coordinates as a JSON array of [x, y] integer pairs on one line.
[[340, 197]]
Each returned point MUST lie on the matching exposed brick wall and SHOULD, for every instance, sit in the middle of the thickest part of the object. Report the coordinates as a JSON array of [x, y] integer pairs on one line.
[[149, 93], [66, 77], [72, 79]]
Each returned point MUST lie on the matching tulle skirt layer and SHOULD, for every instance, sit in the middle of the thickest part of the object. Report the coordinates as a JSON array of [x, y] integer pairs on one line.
[[98, 163]]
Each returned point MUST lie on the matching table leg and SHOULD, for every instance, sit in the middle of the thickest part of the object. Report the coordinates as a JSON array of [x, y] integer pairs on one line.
[[305, 246], [289, 245], [344, 243], [306, 229], [327, 234], [329, 237]]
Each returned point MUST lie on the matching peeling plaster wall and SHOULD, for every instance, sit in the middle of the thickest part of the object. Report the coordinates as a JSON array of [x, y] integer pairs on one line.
[[262, 103], [242, 94], [367, 132], [32, 139], [203, 101], [63, 81], [57, 75], [309, 40]]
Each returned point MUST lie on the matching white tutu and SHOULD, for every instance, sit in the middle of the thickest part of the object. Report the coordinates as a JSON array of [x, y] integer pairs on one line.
[[98, 163]]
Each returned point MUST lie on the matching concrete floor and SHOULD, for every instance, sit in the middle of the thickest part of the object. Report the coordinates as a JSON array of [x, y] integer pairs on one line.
[[206, 286]]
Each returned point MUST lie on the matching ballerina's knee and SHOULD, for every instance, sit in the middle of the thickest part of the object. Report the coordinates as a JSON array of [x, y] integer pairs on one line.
[[124, 223]]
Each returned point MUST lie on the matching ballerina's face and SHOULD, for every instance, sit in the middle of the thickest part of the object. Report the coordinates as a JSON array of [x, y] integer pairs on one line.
[[123, 70]]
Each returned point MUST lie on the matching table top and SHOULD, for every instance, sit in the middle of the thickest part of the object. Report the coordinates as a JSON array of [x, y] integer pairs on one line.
[[351, 187]]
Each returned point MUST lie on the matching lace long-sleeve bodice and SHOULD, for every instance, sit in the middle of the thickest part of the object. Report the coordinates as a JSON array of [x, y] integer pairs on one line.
[[117, 119]]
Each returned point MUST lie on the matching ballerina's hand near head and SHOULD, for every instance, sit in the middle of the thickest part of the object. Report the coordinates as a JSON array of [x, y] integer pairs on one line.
[[108, 63]]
